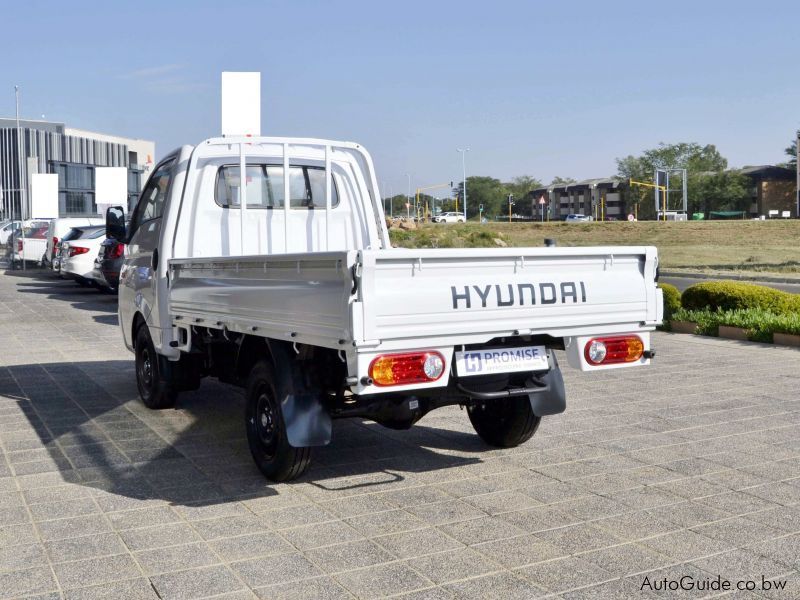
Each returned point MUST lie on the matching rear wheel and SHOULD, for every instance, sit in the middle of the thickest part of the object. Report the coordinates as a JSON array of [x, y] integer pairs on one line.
[[504, 423], [266, 431], [156, 392]]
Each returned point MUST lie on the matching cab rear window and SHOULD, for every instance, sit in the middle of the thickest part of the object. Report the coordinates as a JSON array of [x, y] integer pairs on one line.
[[264, 187]]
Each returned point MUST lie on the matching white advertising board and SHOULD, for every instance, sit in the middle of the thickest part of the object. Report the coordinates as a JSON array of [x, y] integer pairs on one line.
[[241, 103], [44, 196], [110, 188]]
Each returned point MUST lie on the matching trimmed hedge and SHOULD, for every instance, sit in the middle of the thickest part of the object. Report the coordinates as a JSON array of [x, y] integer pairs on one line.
[[759, 323], [735, 295], [672, 299]]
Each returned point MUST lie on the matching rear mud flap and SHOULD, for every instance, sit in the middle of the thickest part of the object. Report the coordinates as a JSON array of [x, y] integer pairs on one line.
[[306, 420], [554, 400]]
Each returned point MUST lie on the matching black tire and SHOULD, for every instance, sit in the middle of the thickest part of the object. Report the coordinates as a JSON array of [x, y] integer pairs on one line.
[[266, 431], [156, 393], [504, 423]]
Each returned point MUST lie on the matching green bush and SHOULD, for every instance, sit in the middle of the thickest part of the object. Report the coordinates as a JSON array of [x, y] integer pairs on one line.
[[672, 299], [760, 324], [733, 295]]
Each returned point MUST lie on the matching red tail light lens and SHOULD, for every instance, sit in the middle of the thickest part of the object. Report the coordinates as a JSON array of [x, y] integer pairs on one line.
[[19, 245], [116, 251], [403, 369], [613, 350], [55, 245], [75, 250]]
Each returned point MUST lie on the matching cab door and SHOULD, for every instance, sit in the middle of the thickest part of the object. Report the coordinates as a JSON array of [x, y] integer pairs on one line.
[[143, 264]]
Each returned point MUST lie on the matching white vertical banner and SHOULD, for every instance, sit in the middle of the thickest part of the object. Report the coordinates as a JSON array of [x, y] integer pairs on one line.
[[241, 103], [44, 196], [110, 188]]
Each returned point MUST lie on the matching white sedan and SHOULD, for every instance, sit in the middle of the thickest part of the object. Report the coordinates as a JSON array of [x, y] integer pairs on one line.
[[77, 255], [449, 217]]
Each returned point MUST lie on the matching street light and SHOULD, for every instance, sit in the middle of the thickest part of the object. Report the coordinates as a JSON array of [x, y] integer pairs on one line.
[[408, 196], [464, 169]]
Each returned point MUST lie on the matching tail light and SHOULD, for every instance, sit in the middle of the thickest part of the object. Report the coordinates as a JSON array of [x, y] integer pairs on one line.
[[75, 250], [116, 250], [613, 350], [55, 245], [19, 245], [402, 369]]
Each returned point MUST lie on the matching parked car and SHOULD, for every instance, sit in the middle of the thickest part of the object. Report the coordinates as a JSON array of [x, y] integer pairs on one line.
[[72, 234], [59, 227], [318, 318], [108, 263], [7, 229], [578, 218], [29, 243], [449, 217], [77, 255]]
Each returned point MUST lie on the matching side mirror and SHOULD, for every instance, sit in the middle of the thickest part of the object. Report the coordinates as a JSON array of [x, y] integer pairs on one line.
[[115, 224]]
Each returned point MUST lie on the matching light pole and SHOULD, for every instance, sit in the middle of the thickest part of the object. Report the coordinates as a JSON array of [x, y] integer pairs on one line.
[[408, 197], [464, 170], [20, 150]]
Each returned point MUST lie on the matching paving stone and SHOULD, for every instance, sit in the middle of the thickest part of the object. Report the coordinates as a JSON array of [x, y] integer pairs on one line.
[[17, 558], [502, 586], [195, 583], [627, 559], [520, 551], [348, 556], [131, 589], [88, 546], [452, 565], [73, 527], [144, 517], [212, 529], [319, 588], [323, 534], [27, 582], [383, 580], [417, 542], [95, 571], [155, 537], [175, 558], [253, 545], [563, 574], [275, 569]]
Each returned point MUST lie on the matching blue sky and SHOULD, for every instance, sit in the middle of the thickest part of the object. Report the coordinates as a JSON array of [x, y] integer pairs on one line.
[[536, 88]]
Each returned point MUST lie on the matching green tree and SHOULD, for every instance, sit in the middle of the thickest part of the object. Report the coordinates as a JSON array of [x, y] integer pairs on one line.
[[562, 180], [521, 187], [482, 190], [791, 152], [709, 185]]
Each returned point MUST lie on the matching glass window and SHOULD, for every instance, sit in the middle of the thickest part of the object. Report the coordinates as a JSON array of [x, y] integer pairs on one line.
[[151, 202], [264, 187]]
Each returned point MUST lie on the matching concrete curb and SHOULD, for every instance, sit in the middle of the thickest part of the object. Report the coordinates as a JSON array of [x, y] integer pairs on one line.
[[733, 276]]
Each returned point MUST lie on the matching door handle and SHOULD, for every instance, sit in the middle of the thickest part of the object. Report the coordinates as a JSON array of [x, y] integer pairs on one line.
[[154, 260]]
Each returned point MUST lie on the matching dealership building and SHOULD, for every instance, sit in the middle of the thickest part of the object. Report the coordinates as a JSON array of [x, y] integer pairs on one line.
[[72, 154]]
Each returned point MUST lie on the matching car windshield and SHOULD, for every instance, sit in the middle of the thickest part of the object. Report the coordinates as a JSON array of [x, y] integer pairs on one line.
[[92, 233], [35, 232]]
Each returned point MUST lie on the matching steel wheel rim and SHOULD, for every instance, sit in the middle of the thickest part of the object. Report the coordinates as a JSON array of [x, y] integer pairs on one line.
[[265, 422]]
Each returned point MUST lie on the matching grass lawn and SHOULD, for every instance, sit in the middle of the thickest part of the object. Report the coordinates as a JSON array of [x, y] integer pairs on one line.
[[708, 246]]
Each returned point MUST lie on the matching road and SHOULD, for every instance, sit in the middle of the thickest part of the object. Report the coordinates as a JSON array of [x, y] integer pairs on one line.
[[688, 467], [683, 282]]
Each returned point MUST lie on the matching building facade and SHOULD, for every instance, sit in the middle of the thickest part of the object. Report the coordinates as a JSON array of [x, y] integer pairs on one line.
[[598, 198], [72, 154], [774, 191]]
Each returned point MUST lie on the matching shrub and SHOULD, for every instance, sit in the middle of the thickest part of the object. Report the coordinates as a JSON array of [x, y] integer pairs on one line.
[[732, 295], [759, 323], [672, 299]]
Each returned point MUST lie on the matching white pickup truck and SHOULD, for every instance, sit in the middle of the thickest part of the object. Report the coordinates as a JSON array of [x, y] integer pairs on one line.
[[308, 307]]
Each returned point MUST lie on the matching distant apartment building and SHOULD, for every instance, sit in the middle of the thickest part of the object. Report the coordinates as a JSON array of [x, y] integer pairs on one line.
[[73, 154], [599, 198]]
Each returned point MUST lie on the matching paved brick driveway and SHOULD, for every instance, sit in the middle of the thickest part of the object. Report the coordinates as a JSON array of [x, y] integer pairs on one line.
[[691, 467]]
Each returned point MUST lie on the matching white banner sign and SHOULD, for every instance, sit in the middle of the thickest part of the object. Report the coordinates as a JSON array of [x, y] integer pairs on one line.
[[44, 196]]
